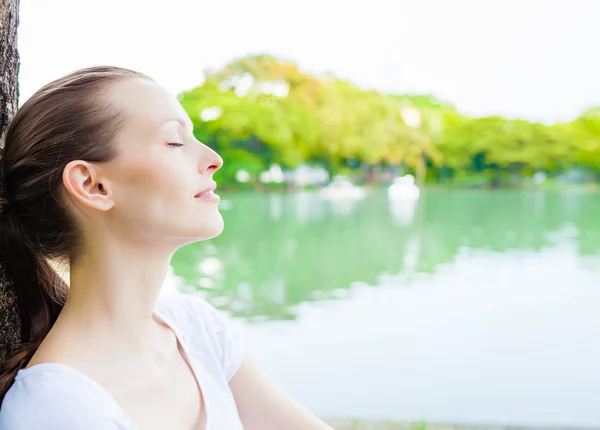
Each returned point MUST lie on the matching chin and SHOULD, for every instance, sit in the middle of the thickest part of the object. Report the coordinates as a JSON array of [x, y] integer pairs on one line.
[[211, 227], [197, 228]]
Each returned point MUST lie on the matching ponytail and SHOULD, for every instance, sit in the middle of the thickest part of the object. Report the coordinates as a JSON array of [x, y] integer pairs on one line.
[[32, 296], [68, 119]]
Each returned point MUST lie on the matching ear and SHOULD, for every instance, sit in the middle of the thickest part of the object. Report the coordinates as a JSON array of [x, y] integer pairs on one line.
[[84, 184]]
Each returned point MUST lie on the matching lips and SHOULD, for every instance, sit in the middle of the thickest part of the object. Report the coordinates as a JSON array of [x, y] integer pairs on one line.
[[206, 190], [208, 193]]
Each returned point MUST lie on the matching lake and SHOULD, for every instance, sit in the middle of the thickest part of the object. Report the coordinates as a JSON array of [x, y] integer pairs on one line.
[[468, 307]]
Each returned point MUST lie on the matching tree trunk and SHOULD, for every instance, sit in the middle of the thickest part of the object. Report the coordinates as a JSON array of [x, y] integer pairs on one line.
[[9, 61], [10, 333], [421, 170]]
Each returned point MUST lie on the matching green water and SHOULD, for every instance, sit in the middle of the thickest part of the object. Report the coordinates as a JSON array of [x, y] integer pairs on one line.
[[469, 306], [281, 250]]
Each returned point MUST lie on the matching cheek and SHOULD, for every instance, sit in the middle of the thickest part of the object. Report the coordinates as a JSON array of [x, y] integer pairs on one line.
[[156, 198], [151, 186]]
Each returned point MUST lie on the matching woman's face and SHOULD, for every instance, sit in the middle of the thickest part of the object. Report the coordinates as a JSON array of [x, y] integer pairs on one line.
[[162, 180]]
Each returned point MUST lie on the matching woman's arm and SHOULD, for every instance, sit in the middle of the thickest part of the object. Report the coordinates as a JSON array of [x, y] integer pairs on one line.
[[264, 406]]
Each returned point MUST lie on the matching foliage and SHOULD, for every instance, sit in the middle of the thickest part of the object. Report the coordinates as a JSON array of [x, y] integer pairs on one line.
[[265, 111]]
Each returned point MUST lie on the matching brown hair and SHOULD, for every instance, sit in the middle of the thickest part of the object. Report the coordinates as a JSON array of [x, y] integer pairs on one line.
[[68, 119]]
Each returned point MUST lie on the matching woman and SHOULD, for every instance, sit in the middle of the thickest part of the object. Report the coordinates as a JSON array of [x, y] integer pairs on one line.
[[102, 172]]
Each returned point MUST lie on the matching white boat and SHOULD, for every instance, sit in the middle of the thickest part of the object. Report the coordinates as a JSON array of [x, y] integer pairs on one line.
[[539, 178], [404, 189], [342, 189]]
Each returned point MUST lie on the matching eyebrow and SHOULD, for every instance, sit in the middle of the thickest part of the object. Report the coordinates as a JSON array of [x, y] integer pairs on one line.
[[181, 122]]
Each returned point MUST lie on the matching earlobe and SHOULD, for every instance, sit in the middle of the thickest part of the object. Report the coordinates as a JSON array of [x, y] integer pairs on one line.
[[82, 181]]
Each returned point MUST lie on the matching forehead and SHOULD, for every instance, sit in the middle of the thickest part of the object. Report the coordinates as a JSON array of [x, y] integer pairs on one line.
[[145, 103]]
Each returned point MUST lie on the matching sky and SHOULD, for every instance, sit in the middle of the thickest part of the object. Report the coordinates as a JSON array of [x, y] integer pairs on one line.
[[532, 59]]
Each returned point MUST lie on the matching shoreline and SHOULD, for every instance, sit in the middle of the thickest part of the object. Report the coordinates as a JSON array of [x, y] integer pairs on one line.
[[339, 424]]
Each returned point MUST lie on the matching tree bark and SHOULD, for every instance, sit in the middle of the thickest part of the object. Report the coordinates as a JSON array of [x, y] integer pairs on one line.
[[9, 61], [10, 332], [421, 170]]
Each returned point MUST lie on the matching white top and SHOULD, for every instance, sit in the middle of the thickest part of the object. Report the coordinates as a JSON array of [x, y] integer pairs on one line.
[[53, 396]]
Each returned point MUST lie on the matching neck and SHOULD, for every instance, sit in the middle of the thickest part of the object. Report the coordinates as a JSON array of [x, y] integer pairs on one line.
[[113, 291]]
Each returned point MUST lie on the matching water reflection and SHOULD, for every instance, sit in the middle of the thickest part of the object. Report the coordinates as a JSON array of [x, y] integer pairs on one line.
[[403, 212], [467, 307], [275, 206], [308, 206], [278, 250]]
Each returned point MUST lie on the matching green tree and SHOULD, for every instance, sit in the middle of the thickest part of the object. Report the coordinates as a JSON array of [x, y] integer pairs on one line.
[[259, 110], [584, 136]]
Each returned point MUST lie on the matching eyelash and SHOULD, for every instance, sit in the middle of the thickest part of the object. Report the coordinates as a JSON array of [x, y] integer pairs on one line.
[[175, 144]]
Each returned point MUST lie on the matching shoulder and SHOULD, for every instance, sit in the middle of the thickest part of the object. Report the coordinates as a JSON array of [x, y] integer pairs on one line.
[[205, 328], [188, 309], [52, 398]]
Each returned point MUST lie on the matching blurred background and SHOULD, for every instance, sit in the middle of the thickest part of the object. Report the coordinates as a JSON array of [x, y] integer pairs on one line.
[[410, 191]]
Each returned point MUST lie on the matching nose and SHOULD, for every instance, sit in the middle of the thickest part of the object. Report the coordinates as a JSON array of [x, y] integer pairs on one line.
[[210, 161]]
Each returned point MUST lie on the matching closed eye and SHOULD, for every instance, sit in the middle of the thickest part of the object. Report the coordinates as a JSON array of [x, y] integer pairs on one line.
[[175, 144]]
